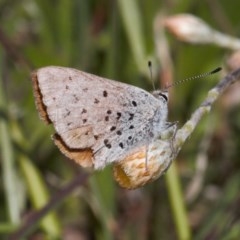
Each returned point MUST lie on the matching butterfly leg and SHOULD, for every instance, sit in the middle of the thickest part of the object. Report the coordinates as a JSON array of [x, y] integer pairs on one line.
[[173, 127], [170, 133]]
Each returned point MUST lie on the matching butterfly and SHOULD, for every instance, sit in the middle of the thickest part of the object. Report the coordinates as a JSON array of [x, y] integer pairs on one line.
[[100, 121]]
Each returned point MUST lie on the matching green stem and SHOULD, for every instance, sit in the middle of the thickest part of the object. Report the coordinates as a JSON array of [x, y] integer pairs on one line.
[[177, 204]]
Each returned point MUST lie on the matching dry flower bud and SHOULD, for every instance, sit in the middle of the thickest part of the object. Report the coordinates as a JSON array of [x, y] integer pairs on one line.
[[189, 28]]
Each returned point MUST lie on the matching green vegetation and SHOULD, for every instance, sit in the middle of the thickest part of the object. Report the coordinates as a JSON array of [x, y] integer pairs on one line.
[[45, 195]]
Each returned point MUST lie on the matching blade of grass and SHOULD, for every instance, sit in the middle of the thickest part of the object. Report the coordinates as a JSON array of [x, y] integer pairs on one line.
[[130, 13], [8, 161], [177, 204], [65, 20], [36, 186], [39, 196], [104, 202], [225, 208]]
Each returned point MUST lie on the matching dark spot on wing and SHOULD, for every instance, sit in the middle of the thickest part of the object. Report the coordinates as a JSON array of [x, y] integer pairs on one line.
[[131, 115], [84, 120], [107, 144], [119, 132], [96, 101], [76, 99], [67, 87], [121, 145], [84, 111], [134, 103], [107, 118], [130, 137], [112, 128], [109, 111], [105, 93], [118, 115], [95, 137], [131, 127]]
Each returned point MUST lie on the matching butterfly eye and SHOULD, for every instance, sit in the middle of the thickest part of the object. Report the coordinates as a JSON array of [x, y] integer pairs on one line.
[[163, 96], [160, 95]]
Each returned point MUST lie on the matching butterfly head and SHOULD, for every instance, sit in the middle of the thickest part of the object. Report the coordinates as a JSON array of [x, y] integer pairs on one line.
[[161, 95]]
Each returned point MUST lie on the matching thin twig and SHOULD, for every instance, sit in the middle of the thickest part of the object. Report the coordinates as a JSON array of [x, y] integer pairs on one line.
[[183, 133]]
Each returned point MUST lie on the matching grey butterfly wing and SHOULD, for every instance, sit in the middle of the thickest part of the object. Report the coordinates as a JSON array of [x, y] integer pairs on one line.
[[130, 124], [88, 111]]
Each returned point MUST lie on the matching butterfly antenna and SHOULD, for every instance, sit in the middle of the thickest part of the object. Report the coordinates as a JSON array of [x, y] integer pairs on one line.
[[150, 69], [194, 77]]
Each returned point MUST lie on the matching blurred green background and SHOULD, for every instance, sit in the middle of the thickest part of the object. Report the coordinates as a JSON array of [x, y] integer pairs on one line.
[[115, 39]]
